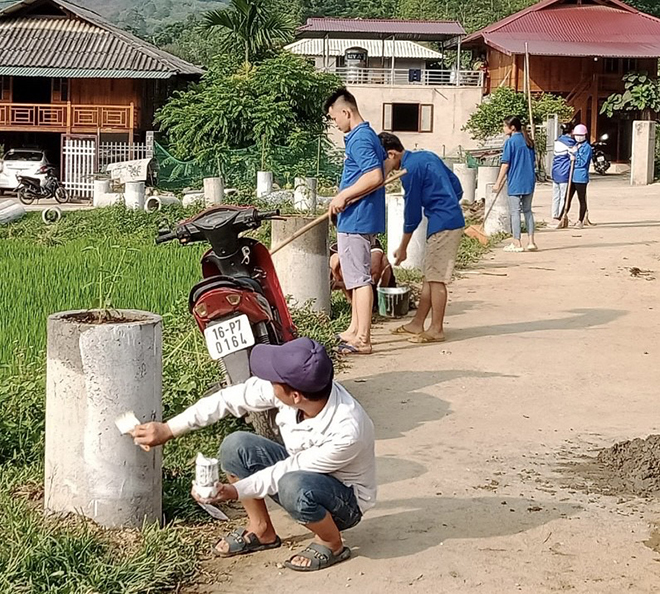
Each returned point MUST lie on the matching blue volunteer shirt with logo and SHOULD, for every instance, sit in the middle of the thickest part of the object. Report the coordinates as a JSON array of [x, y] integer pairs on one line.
[[521, 177], [434, 188], [364, 153]]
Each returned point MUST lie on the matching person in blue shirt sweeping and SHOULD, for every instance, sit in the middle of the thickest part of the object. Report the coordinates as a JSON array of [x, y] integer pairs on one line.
[[561, 170], [360, 211], [519, 171], [432, 188], [581, 154]]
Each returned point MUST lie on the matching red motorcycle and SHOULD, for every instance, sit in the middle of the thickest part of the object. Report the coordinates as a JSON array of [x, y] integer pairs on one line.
[[239, 302]]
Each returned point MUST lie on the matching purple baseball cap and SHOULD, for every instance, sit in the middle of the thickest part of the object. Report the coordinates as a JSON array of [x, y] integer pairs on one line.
[[302, 364]]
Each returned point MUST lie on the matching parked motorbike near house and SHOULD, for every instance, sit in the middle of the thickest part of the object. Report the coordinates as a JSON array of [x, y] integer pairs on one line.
[[601, 159], [239, 302], [31, 188]]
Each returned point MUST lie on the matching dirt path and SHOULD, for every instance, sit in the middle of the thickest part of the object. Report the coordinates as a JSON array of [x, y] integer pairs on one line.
[[556, 359]]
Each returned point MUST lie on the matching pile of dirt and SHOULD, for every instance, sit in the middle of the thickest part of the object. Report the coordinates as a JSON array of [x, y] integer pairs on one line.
[[635, 464]]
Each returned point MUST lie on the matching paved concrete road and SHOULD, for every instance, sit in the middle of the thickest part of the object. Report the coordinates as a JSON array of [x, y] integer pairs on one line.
[[548, 363]]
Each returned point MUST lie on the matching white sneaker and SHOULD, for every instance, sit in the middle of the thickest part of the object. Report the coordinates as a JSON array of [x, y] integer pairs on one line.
[[532, 247], [579, 225], [512, 247]]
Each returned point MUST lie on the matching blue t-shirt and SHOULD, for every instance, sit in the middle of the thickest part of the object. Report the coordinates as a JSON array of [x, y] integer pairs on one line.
[[430, 185], [521, 176], [561, 161], [583, 158], [364, 153]]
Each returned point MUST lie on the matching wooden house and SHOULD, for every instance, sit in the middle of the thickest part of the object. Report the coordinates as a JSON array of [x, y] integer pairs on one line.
[[578, 49], [65, 71]]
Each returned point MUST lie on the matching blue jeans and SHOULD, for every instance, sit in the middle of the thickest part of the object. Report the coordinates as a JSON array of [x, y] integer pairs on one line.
[[306, 496], [516, 205]]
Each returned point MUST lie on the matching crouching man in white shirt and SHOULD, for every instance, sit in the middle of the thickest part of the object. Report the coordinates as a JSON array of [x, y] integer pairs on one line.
[[324, 477]]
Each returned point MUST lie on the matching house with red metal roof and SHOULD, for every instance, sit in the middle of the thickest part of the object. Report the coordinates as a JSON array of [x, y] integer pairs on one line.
[[578, 49], [401, 85]]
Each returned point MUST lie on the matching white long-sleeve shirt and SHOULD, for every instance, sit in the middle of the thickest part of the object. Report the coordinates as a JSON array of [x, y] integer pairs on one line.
[[338, 441]]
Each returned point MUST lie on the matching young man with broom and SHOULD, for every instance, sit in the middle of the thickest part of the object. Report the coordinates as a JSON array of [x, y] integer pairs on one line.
[[432, 188], [360, 211]]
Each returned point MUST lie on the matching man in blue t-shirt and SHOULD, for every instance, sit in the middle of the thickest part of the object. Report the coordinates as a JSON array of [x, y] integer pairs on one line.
[[360, 211], [432, 188]]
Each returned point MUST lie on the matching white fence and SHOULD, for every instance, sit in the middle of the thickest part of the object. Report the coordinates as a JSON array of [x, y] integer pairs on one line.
[[83, 157], [410, 76], [79, 157]]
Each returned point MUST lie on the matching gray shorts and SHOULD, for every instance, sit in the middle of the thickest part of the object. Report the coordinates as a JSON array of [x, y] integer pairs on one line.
[[354, 252]]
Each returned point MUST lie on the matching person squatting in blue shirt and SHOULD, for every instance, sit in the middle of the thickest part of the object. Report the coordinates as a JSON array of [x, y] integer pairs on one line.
[[430, 188], [360, 211], [519, 169]]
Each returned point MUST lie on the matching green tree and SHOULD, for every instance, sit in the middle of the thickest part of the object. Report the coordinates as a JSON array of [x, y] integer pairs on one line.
[[254, 24], [641, 93], [487, 119], [279, 101]]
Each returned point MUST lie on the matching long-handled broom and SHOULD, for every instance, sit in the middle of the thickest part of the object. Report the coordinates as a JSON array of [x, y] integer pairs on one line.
[[477, 231], [325, 215], [563, 223]]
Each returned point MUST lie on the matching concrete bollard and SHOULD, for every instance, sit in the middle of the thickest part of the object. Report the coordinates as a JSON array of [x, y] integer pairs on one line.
[[303, 266], [214, 190], [642, 165], [156, 203], [468, 178], [304, 195], [95, 373], [101, 188], [417, 246], [10, 212], [485, 176], [134, 195], [264, 183], [499, 220]]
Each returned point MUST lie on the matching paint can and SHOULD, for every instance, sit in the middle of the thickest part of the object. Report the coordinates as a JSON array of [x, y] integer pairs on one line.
[[393, 302]]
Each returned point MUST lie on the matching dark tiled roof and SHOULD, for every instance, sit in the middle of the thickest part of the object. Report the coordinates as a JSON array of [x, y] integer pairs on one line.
[[81, 40]]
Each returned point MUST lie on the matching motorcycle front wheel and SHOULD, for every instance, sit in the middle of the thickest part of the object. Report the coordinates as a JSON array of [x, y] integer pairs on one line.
[[61, 195], [24, 196]]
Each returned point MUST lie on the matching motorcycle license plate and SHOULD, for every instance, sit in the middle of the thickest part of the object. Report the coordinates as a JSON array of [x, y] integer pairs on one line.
[[227, 337], [600, 159]]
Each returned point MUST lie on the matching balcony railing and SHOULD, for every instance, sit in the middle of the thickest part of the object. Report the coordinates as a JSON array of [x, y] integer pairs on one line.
[[67, 116], [410, 76]]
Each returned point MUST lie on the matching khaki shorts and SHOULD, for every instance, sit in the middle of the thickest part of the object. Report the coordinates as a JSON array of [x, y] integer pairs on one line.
[[440, 257]]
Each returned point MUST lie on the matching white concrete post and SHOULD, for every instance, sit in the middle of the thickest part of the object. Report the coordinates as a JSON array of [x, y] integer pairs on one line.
[[214, 190], [642, 165], [264, 183], [101, 188], [552, 133], [10, 211], [304, 194], [417, 246], [468, 178], [485, 176], [303, 266], [134, 195], [499, 220], [95, 373]]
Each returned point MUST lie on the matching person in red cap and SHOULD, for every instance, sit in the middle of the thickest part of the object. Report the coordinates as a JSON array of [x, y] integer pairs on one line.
[[325, 474]]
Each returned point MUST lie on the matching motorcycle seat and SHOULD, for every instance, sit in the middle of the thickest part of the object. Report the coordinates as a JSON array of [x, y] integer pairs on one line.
[[222, 282], [35, 180]]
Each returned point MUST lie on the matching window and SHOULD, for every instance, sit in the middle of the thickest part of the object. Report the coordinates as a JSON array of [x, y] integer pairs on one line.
[[5, 88], [629, 65], [407, 117], [60, 89], [611, 66]]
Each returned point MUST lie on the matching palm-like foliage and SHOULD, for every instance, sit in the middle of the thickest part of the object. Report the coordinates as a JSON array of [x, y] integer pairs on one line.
[[255, 25]]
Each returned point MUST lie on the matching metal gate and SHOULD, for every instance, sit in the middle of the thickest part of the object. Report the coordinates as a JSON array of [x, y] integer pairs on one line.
[[79, 157]]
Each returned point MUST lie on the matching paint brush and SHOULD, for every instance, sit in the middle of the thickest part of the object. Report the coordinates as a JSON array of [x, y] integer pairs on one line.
[[126, 423]]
